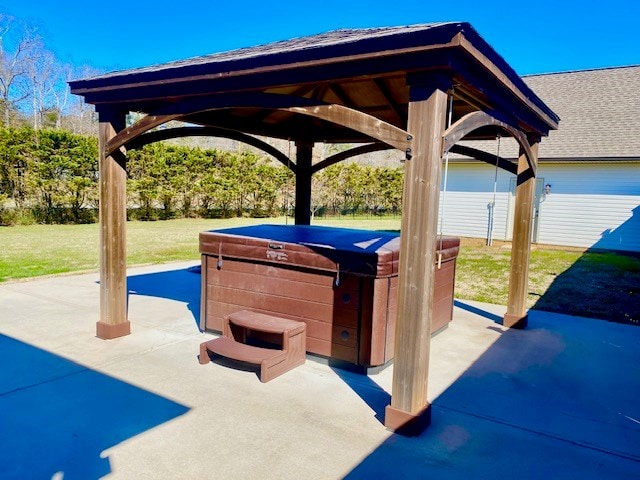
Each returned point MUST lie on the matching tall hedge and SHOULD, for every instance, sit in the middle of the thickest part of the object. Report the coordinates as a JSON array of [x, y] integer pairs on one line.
[[167, 181], [51, 176], [48, 176]]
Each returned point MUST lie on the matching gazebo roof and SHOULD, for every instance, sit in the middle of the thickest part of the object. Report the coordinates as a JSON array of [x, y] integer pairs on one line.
[[364, 69]]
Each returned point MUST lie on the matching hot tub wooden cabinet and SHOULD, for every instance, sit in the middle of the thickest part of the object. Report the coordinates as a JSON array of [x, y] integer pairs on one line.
[[341, 282]]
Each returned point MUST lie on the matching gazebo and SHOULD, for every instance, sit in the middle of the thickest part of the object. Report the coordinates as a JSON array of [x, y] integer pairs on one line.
[[419, 89]]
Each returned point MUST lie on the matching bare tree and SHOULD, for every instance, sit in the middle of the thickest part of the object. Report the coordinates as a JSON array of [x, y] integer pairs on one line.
[[42, 73], [61, 91], [80, 115], [19, 47]]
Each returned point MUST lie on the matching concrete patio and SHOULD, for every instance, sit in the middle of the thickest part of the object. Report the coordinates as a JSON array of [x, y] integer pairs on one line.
[[557, 400]]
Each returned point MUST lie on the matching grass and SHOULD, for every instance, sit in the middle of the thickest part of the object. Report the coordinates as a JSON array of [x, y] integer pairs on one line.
[[593, 284], [491, 263], [34, 250]]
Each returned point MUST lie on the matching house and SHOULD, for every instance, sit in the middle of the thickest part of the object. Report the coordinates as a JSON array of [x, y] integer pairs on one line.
[[588, 186]]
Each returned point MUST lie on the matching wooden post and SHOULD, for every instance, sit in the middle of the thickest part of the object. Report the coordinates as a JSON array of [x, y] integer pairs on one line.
[[410, 411], [516, 315], [113, 216], [304, 152]]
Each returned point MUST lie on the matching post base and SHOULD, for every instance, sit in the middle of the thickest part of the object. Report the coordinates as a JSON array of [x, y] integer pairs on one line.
[[106, 331], [405, 423], [515, 321]]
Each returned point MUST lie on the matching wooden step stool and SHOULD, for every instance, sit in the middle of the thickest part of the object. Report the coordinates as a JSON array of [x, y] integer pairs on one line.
[[273, 362]]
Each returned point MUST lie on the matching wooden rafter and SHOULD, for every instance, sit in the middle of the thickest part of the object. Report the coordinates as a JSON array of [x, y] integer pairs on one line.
[[339, 92], [466, 95], [395, 107], [298, 92], [320, 91]]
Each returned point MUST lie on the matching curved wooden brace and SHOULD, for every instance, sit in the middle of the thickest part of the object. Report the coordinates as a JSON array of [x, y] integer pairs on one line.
[[189, 106], [338, 114], [360, 122], [130, 133], [475, 120], [179, 132], [489, 158], [352, 152]]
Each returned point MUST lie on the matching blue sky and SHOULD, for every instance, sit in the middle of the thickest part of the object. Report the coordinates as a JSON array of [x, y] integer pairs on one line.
[[533, 36]]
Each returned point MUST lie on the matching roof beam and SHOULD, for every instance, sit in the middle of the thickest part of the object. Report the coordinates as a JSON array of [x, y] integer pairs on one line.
[[498, 74]]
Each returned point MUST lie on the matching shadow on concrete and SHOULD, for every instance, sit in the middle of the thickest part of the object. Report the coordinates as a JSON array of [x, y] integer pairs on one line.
[[182, 285], [368, 390], [557, 400], [478, 311], [57, 417]]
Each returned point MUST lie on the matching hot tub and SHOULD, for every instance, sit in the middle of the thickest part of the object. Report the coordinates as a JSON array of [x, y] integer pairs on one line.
[[341, 282]]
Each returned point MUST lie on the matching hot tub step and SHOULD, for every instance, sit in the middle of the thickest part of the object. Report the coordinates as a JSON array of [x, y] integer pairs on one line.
[[273, 362], [227, 347], [265, 323]]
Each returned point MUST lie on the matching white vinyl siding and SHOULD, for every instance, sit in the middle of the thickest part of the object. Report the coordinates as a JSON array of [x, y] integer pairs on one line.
[[466, 214], [593, 178], [590, 205], [593, 205], [466, 203]]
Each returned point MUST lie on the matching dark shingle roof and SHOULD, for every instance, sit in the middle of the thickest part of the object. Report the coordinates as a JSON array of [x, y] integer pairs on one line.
[[343, 36]]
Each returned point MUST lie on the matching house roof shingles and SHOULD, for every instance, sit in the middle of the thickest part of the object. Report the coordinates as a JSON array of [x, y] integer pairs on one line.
[[599, 114], [599, 111]]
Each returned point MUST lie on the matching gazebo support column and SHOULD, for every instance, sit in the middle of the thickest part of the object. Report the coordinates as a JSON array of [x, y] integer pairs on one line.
[[410, 411], [516, 315], [304, 153], [113, 321]]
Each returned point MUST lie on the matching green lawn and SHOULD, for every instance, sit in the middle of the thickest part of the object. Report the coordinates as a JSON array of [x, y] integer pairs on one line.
[[34, 250], [591, 284], [595, 284]]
